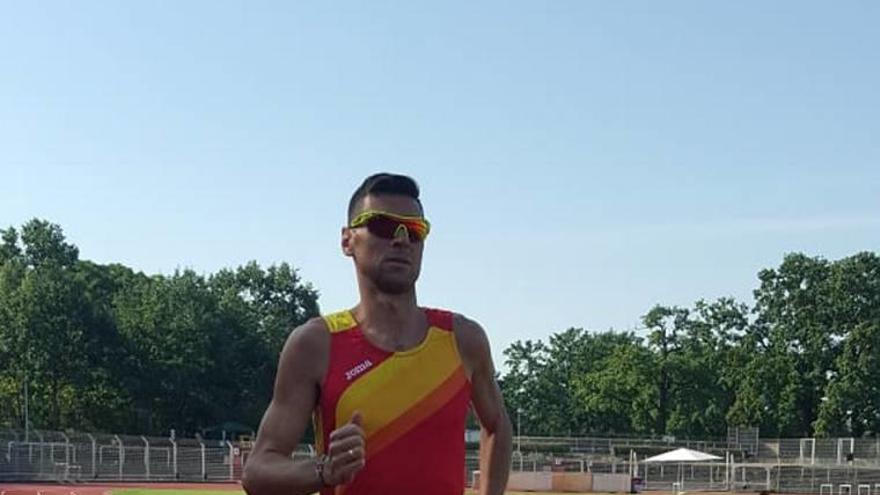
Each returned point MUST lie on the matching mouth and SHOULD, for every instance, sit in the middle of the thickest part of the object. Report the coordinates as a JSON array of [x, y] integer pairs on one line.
[[398, 261]]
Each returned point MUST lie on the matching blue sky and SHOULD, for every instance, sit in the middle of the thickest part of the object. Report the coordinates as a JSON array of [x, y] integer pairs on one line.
[[580, 161]]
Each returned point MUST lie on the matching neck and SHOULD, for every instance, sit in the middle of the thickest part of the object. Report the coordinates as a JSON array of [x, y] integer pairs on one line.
[[379, 307], [393, 321]]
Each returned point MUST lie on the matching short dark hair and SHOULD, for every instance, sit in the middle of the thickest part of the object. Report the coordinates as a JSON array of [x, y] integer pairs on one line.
[[383, 183]]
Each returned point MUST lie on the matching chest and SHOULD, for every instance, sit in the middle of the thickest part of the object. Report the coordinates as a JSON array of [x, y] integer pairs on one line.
[[390, 387]]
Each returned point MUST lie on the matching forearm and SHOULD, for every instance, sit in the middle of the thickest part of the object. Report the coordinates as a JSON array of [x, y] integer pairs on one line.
[[495, 450], [275, 474]]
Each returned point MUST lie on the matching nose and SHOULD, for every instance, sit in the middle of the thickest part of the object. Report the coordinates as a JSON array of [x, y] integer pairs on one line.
[[401, 234]]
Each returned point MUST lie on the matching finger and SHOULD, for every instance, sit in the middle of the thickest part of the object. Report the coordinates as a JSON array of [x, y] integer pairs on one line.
[[355, 423], [339, 446], [351, 431], [348, 471], [357, 418], [345, 431], [350, 456], [343, 469]]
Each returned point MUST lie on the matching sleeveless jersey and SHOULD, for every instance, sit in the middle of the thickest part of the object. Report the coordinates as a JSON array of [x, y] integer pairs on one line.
[[414, 405]]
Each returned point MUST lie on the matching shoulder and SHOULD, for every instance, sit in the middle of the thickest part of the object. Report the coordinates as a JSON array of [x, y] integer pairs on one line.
[[463, 327], [307, 348], [472, 342], [311, 335], [468, 329]]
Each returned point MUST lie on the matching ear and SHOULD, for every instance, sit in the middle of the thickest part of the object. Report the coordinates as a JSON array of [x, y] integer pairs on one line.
[[347, 236]]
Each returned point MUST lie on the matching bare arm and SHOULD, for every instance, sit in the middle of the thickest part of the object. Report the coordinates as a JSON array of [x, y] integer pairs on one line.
[[496, 431], [269, 469]]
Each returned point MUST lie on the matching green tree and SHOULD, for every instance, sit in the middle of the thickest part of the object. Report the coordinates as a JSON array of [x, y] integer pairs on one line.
[[546, 381], [852, 403], [664, 325], [277, 298], [12, 272], [169, 323], [44, 324], [102, 347], [259, 308], [619, 395], [807, 308], [794, 304], [520, 386]]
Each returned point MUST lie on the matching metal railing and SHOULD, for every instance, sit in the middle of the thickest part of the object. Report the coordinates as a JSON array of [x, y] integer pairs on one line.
[[57, 456], [844, 466]]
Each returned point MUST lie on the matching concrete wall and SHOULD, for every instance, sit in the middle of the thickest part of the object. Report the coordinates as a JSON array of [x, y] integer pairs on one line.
[[546, 481], [572, 482], [620, 483]]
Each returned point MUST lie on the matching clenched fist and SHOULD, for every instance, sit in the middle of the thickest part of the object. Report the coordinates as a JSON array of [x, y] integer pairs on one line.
[[346, 452]]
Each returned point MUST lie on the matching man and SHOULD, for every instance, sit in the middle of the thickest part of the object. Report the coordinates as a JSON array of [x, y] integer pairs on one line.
[[388, 383]]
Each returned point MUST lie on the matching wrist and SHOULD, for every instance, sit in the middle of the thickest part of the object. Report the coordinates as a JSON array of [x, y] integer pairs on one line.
[[320, 470]]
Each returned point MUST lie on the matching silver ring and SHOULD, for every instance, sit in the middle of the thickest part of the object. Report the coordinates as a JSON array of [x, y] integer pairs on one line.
[[351, 452]]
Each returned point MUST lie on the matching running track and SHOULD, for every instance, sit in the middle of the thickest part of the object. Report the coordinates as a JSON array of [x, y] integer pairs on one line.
[[104, 488]]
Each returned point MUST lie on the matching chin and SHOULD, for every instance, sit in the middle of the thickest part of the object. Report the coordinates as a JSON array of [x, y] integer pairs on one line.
[[395, 286]]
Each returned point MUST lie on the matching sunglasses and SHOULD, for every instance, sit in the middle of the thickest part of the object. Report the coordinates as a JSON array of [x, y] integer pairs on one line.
[[389, 226]]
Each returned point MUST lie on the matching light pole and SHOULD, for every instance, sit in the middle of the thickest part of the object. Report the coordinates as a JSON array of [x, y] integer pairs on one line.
[[519, 436], [26, 411], [518, 430]]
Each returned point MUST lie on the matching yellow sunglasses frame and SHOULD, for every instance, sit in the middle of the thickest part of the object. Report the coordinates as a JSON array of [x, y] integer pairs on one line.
[[363, 217]]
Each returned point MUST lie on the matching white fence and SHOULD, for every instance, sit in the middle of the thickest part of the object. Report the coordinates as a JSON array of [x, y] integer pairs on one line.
[[837, 466], [57, 456]]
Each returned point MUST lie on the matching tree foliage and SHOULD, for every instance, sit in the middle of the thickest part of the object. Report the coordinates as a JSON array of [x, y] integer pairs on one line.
[[102, 347], [802, 360]]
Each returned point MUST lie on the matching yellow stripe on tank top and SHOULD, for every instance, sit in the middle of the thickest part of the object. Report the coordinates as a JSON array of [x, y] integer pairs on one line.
[[398, 383], [340, 321]]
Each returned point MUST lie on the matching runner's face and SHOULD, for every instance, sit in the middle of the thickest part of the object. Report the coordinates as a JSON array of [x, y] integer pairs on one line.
[[392, 265]]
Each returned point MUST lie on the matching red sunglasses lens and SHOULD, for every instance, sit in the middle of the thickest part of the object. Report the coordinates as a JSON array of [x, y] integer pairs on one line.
[[382, 227], [386, 228]]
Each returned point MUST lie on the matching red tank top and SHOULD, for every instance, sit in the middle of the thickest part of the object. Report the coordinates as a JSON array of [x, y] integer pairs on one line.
[[414, 405]]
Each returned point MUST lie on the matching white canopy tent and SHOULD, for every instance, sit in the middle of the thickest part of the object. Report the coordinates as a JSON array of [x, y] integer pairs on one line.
[[680, 456], [683, 455]]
